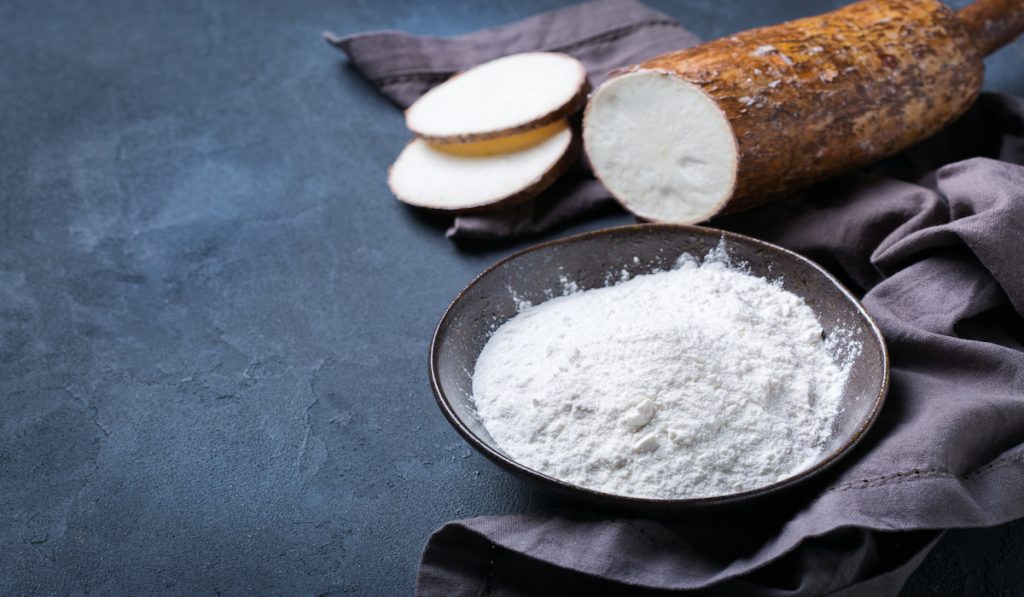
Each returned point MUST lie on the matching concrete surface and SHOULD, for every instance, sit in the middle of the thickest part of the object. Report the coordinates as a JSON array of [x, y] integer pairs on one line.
[[214, 318]]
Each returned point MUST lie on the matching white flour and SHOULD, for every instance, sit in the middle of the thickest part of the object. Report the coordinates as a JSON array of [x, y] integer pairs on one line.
[[698, 381]]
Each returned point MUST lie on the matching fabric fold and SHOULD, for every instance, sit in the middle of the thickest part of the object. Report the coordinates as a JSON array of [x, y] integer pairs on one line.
[[604, 35], [940, 269], [931, 240]]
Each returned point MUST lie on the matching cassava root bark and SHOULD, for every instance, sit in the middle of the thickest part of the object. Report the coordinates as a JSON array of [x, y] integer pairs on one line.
[[808, 99]]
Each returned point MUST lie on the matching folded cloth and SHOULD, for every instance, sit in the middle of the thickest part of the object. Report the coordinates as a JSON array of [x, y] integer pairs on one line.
[[603, 35], [932, 241]]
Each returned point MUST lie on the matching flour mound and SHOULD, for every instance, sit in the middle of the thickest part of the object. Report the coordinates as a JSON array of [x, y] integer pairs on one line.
[[698, 381]]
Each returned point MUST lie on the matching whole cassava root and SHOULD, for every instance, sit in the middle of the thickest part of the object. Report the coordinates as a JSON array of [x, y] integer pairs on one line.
[[800, 102]]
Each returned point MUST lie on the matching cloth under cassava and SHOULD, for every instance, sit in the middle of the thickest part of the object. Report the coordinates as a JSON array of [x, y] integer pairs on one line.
[[931, 240]]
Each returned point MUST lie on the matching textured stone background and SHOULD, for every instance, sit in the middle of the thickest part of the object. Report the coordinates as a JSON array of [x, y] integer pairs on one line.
[[214, 318]]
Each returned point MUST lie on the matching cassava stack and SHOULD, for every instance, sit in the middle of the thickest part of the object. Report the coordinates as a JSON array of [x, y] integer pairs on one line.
[[732, 123], [492, 136]]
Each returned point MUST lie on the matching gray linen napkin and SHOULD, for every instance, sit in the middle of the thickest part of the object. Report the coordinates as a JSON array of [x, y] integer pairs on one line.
[[603, 35], [932, 240]]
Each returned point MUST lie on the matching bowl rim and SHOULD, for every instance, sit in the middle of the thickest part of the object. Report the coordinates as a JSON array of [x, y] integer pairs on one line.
[[638, 502]]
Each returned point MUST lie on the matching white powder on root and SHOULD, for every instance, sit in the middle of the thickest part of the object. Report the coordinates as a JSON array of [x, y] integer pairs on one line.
[[698, 381]]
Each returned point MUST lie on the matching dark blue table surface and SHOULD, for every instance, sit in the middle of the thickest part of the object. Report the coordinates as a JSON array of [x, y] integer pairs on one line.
[[214, 317]]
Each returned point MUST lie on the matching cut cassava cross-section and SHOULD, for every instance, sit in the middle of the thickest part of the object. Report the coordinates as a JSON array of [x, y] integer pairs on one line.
[[503, 97], [432, 177], [674, 169], [732, 123]]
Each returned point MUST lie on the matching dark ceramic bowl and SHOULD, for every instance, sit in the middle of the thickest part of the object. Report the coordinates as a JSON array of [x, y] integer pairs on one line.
[[593, 258]]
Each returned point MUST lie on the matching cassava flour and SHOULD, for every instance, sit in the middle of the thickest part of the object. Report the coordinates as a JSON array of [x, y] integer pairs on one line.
[[702, 380]]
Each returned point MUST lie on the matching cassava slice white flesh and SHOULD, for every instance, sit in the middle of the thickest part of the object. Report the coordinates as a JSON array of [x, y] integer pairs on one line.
[[428, 176], [679, 169], [509, 95]]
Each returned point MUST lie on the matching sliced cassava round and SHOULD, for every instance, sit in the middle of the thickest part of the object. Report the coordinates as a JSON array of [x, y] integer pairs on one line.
[[732, 123], [503, 97], [429, 176]]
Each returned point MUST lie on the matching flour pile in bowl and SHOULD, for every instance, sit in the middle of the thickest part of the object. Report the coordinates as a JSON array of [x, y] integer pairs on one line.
[[698, 381]]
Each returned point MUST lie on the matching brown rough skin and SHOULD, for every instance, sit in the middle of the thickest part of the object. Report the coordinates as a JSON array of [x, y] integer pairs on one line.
[[811, 98], [993, 23]]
